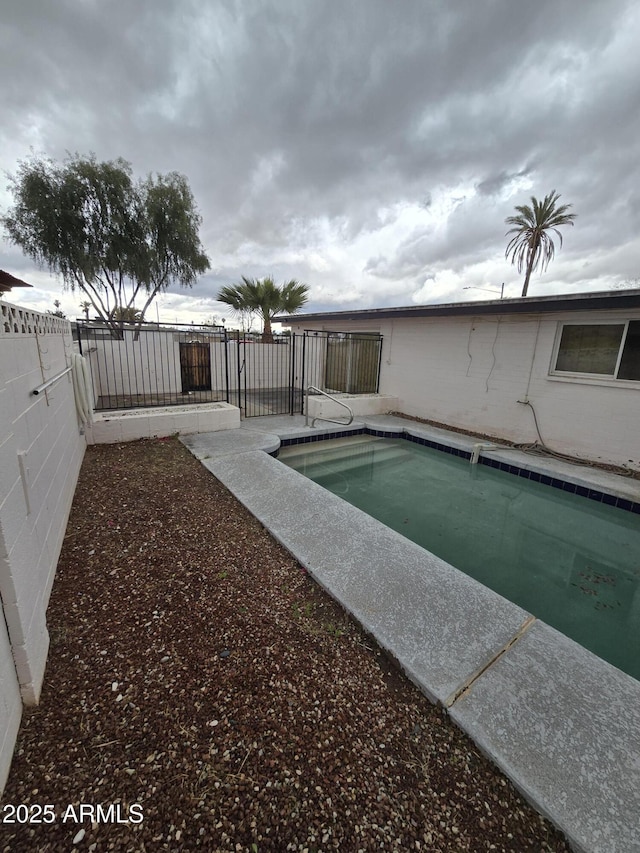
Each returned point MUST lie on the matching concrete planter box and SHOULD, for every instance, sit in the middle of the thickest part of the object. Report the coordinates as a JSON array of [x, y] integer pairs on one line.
[[360, 404], [129, 425]]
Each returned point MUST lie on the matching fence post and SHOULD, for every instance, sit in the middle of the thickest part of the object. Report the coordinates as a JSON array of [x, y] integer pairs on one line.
[[239, 366], [292, 372], [302, 371], [379, 364], [226, 366]]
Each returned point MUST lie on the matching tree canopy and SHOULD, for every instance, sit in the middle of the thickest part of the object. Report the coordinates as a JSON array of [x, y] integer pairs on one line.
[[531, 245], [265, 298], [118, 241]]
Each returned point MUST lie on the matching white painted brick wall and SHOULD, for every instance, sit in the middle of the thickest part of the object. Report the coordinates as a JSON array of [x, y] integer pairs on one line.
[[470, 372], [10, 703], [35, 501]]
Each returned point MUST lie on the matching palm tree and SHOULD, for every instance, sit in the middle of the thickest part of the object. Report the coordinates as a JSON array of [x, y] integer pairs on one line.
[[265, 298], [531, 245], [127, 314], [58, 312]]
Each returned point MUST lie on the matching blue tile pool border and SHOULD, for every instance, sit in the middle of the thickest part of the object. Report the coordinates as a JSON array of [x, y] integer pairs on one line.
[[535, 476]]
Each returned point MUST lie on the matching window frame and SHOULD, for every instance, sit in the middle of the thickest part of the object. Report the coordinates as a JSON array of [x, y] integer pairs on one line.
[[592, 378]]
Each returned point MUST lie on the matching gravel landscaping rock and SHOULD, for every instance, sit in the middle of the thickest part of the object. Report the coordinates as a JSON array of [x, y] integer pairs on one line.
[[199, 679]]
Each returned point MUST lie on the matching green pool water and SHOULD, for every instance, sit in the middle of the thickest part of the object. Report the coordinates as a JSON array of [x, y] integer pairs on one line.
[[570, 561]]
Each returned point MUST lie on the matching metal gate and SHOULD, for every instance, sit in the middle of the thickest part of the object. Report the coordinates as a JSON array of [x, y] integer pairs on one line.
[[155, 365], [266, 380], [272, 377], [195, 366]]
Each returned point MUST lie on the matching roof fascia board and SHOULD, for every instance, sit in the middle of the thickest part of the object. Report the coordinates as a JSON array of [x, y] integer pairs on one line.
[[599, 301]]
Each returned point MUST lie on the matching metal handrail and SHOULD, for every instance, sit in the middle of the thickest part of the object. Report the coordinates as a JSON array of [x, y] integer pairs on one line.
[[50, 382], [319, 417]]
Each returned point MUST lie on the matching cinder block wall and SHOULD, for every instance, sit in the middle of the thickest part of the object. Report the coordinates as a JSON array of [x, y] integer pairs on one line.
[[41, 450]]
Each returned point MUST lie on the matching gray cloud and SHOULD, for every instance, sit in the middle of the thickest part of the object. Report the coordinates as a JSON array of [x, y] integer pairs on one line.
[[331, 142]]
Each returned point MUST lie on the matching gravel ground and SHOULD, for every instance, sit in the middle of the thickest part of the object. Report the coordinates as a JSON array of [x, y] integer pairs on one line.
[[198, 677]]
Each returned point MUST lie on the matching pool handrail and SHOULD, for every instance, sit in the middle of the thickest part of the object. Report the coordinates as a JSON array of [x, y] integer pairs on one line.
[[319, 417]]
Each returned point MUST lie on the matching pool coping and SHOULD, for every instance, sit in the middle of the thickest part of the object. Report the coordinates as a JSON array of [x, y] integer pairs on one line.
[[561, 723]]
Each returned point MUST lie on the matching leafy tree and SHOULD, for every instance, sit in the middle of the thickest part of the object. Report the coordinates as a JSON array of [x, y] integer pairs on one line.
[[265, 298], [531, 244], [173, 250], [114, 240]]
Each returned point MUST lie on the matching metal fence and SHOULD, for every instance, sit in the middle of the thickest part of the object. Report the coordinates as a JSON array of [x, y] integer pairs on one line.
[[153, 365], [266, 377], [353, 363]]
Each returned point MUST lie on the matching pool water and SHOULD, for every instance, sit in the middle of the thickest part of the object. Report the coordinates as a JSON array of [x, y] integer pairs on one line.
[[570, 561]]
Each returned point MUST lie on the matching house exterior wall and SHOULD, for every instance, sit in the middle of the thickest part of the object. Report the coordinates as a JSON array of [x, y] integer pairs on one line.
[[471, 372], [41, 450]]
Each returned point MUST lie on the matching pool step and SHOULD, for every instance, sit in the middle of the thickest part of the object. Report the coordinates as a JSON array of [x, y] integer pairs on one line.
[[326, 461], [350, 443]]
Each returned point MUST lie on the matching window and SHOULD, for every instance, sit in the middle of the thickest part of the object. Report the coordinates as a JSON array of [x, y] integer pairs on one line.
[[604, 350]]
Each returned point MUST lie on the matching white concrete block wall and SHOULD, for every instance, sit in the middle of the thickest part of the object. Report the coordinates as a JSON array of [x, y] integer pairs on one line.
[[41, 450], [268, 365], [148, 365], [133, 424], [470, 372], [10, 703], [360, 404], [310, 360]]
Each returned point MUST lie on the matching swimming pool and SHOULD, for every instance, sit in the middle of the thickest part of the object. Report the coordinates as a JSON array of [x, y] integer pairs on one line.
[[571, 561]]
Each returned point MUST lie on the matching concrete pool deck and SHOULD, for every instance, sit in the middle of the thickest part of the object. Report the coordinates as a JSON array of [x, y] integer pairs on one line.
[[562, 724]]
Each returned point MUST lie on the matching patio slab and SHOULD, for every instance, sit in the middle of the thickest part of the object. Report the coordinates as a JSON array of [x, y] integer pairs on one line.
[[215, 445], [565, 727]]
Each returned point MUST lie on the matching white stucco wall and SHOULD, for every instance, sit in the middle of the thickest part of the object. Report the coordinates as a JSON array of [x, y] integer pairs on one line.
[[266, 365], [41, 450], [470, 372], [148, 365]]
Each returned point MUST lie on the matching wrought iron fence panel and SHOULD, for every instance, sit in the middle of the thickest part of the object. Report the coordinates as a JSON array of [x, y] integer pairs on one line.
[[153, 365], [349, 363]]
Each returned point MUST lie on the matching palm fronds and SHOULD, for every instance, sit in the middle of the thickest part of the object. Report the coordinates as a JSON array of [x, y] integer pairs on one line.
[[531, 245]]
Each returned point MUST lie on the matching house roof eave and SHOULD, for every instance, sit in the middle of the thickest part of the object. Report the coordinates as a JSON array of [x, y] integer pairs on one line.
[[597, 300]]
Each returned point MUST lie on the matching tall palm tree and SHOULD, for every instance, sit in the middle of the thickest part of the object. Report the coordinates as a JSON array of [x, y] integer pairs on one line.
[[265, 298], [531, 245]]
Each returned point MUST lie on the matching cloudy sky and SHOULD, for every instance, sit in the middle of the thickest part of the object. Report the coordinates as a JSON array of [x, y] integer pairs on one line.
[[368, 148]]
